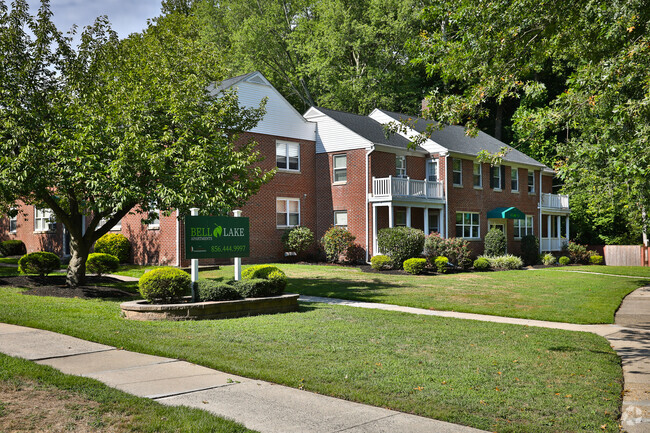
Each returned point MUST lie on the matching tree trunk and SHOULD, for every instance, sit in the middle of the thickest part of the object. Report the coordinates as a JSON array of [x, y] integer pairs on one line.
[[76, 275], [498, 122]]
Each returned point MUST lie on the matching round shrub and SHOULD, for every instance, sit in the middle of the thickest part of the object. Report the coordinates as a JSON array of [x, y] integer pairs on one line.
[[336, 242], [442, 264], [297, 239], [530, 250], [13, 247], [254, 288], [381, 263], [40, 262], [495, 243], [506, 262], [435, 245], [564, 260], [400, 243], [209, 290], [596, 259], [549, 259], [277, 280], [258, 271], [415, 266], [100, 263], [355, 254], [115, 244], [164, 284], [481, 264]]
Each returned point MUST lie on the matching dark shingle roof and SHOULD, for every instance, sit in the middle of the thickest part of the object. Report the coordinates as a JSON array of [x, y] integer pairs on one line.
[[367, 128], [454, 138]]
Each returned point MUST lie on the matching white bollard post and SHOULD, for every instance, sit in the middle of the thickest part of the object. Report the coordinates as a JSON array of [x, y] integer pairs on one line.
[[237, 213], [194, 267]]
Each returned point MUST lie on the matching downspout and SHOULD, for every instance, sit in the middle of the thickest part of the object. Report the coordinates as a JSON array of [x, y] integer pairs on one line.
[[540, 210], [368, 152], [178, 239], [446, 156]]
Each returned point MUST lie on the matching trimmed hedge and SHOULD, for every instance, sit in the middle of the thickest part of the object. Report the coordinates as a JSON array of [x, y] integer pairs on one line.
[[209, 290], [481, 264], [115, 244], [337, 243], [381, 263], [164, 284], [415, 266], [100, 263], [596, 259], [564, 260], [495, 243], [277, 280], [255, 288], [400, 243], [442, 264], [13, 247], [530, 250], [40, 262]]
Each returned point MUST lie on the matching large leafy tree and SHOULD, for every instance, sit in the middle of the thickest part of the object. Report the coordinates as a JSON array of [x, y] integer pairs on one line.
[[577, 75], [111, 127]]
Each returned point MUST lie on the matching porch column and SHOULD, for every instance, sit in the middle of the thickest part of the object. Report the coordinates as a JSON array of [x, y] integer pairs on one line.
[[408, 216], [390, 215], [548, 232], [566, 227], [426, 221], [441, 221], [374, 229], [558, 225]]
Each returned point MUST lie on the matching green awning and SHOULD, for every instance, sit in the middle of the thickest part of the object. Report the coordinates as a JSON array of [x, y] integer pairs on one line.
[[506, 212]]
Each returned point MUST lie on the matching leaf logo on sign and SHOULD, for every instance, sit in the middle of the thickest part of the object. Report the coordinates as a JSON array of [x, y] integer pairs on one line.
[[217, 231]]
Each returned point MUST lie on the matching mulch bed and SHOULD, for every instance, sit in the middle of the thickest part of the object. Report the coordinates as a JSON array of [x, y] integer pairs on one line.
[[54, 285]]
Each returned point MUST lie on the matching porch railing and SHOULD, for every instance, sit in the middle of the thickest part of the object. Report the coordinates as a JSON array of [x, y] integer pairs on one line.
[[555, 201], [387, 187], [553, 244]]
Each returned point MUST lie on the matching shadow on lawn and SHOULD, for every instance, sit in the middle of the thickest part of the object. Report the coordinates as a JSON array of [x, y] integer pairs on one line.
[[344, 289]]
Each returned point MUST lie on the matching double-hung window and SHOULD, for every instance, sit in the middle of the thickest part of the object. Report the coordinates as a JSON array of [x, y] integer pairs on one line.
[[287, 155], [43, 220], [477, 174], [496, 177], [432, 170], [13, 222], [155, 222], [467, 225], [340, 163], [400, 166], [287, 212], [514, 179], [523, 227], [400, 218], [341, 218], [457, 169], [531, 181]]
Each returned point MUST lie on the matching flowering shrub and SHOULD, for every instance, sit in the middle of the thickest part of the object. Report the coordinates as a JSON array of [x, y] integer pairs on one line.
[[336, 242], [455, 249]]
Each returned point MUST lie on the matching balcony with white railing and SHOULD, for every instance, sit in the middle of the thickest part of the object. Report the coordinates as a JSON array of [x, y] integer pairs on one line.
[[388, 188], [555, 201]]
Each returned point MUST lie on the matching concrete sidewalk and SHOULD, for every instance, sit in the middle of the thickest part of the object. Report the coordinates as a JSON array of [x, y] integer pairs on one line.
[[257, 404]]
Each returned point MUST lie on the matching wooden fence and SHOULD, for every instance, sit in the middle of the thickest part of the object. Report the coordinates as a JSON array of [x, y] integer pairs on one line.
[[627, 255]]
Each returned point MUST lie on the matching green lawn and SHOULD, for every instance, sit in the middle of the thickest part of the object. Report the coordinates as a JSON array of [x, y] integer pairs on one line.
[[117, 410], [542, 295], [133, 270], [9, 260], [632, 271], [496, 377]]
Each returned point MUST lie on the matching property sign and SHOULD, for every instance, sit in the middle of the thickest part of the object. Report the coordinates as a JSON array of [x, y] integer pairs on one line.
[[216, 237]]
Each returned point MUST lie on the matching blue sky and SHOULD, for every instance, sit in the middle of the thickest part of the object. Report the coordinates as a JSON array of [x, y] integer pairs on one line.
[[126, 16]]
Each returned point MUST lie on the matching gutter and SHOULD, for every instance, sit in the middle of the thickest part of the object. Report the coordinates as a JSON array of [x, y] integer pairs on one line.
[[540, 211], [178, 239], [368, 152], [446, 156]]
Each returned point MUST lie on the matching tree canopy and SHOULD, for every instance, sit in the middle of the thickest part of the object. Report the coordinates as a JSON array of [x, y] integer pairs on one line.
[[111, 127]]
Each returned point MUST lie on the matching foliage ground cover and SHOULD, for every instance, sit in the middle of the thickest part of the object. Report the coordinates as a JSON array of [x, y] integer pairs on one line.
[[541, 294], [88, 405], [491, 376]]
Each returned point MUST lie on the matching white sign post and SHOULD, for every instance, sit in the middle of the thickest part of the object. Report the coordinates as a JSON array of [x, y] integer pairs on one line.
[[237, 213], [194, 265]]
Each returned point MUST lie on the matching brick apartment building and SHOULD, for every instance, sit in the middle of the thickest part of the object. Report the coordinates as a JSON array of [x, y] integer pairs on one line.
[[342, 169]]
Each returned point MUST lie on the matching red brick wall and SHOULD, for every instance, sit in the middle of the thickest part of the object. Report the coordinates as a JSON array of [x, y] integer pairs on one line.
[[470, 199], [51, 242], [547, 184]]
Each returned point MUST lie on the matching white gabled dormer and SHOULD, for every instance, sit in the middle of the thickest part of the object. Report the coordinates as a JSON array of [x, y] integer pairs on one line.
[[332, 136], [281, 119], [429, 145]]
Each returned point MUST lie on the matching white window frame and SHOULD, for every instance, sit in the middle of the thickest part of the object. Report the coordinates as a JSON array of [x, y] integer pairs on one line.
[[41, 218], [155, 224], [287, 213], [526, 228], [14, 220], [337, 223], [458, 171], [399, 212], [475, 229], [400, 169], [282, 150], [343, 169], [430, 164], [515, 178], [531, 186], [480, 175], [496, 177]]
